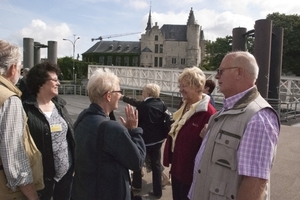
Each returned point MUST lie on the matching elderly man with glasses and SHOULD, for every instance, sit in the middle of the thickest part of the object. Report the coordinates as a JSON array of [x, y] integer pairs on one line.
[[239, 146]]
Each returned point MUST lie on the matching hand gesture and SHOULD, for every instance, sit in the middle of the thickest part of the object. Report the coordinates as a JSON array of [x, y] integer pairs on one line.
[[131, 117]]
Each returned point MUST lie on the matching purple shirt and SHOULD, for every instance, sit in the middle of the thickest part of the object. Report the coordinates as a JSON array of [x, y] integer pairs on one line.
[[257, 147]]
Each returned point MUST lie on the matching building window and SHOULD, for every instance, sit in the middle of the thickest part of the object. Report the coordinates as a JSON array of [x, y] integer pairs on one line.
[[173, 60], [156, 38], [156, 48], [161, 48], [109, 60], [160, 61], [118, 61], [126, 61], [101, 60], [135, 60], [156, 62], [183, 61]]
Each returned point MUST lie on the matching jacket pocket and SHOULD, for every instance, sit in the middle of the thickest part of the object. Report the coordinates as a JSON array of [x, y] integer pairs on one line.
[[217, 190], [225, 149]]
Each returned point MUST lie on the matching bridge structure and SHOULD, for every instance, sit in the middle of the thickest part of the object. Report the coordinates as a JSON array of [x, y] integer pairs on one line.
[[134, 78]]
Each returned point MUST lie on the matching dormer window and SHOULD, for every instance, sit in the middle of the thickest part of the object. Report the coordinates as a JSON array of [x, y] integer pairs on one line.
[[119, 47], [156, 37], [111, 47]]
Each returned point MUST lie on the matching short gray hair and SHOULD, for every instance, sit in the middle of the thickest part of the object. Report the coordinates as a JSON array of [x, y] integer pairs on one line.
[[152, 89], [247, 61], [100, 83], [9, 55]]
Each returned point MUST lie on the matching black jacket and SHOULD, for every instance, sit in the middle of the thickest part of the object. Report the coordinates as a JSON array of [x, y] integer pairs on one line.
[[104, 156], [41, 134], [151, 118]]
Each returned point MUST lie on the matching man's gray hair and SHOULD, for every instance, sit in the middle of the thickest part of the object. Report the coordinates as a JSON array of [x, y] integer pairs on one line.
[[9, 55], [247, 61]]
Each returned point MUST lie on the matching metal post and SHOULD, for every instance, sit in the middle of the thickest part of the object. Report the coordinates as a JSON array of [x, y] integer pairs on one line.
[[28, 46], [239, 39], [73, 45], [262, 53]]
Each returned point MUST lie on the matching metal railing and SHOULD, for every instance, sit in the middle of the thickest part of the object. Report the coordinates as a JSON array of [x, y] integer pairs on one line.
[[132, 79], [287, 109]]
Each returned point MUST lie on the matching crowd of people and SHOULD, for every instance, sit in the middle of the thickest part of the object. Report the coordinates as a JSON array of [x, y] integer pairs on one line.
[[225, 154]]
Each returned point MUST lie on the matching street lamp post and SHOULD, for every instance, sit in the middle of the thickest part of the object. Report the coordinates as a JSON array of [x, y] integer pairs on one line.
[[73, 44]]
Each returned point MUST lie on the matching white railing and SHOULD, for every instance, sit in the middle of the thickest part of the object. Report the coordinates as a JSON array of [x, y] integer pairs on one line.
[[134, 78], [137, 77]]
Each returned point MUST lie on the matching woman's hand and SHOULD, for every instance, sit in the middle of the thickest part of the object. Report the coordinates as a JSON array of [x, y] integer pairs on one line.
[[203, 131], [131, 117]]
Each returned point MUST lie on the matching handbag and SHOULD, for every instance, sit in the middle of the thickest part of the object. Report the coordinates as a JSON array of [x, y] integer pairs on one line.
[[168, 121]]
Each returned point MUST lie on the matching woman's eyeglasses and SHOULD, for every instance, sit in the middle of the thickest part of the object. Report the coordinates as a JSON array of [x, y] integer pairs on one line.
[[52, 79]]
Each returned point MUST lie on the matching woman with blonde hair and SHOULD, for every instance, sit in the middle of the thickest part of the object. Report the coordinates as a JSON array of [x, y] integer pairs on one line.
[[183, 141]]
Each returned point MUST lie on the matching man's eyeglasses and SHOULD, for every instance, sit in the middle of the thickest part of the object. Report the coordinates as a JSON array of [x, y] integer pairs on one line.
[[220, 71], [119, 91]]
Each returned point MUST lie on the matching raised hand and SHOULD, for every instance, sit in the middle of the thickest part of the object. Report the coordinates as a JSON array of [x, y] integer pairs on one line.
[[131, 117]]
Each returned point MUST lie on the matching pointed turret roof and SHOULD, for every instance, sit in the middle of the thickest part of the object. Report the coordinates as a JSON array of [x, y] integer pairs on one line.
[[149, 23], [191, 19]]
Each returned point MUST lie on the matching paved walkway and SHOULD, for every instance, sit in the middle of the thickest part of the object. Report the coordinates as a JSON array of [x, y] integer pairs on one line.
[[285, 175]]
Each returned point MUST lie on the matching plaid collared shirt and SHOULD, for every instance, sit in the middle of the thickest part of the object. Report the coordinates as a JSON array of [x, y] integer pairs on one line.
[[14, 159]]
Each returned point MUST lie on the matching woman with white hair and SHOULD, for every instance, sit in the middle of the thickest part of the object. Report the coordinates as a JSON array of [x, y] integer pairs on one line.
[[183, 141], [105, 149]]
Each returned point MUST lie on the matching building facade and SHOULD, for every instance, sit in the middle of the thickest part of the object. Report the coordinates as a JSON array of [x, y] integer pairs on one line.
[[171, 46]]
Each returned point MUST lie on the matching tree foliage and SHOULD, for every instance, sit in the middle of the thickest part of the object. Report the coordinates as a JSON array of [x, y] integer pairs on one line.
[[291, 40], [66, 67], [215, 52]]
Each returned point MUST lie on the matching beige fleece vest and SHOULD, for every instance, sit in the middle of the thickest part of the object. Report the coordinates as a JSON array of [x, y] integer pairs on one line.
[[34, 156]]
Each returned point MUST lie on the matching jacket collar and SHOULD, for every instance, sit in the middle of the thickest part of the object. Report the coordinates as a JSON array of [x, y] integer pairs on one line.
[[9, 85], [56, 100], [246, 99]]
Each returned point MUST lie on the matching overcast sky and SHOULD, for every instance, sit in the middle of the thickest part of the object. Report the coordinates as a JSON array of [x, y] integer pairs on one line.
[[53, 20]]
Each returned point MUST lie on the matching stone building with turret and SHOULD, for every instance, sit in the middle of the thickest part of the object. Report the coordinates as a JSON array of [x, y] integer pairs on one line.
[[171, 46]]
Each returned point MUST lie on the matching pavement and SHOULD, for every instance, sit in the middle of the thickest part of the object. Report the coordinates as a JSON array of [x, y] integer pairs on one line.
[[285, 175]]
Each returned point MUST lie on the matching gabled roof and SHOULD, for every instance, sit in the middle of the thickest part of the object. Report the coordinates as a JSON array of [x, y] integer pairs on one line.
[[115, 47], [174, 32], [146, 49]]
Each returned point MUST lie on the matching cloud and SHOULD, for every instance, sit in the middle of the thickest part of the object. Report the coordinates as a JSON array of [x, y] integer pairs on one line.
[[221, 25], [42, 32], [138, 4], [214, 24]]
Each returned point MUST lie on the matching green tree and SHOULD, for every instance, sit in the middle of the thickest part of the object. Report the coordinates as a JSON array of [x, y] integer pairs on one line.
[[215, 52], [291, 41], [66, 67]]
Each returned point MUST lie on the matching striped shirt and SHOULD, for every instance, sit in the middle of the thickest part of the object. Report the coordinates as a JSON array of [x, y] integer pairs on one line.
[[14, 159], [257, 147]]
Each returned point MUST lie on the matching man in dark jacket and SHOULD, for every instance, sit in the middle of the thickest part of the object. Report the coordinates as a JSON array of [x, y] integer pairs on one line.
[[151, 119]]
